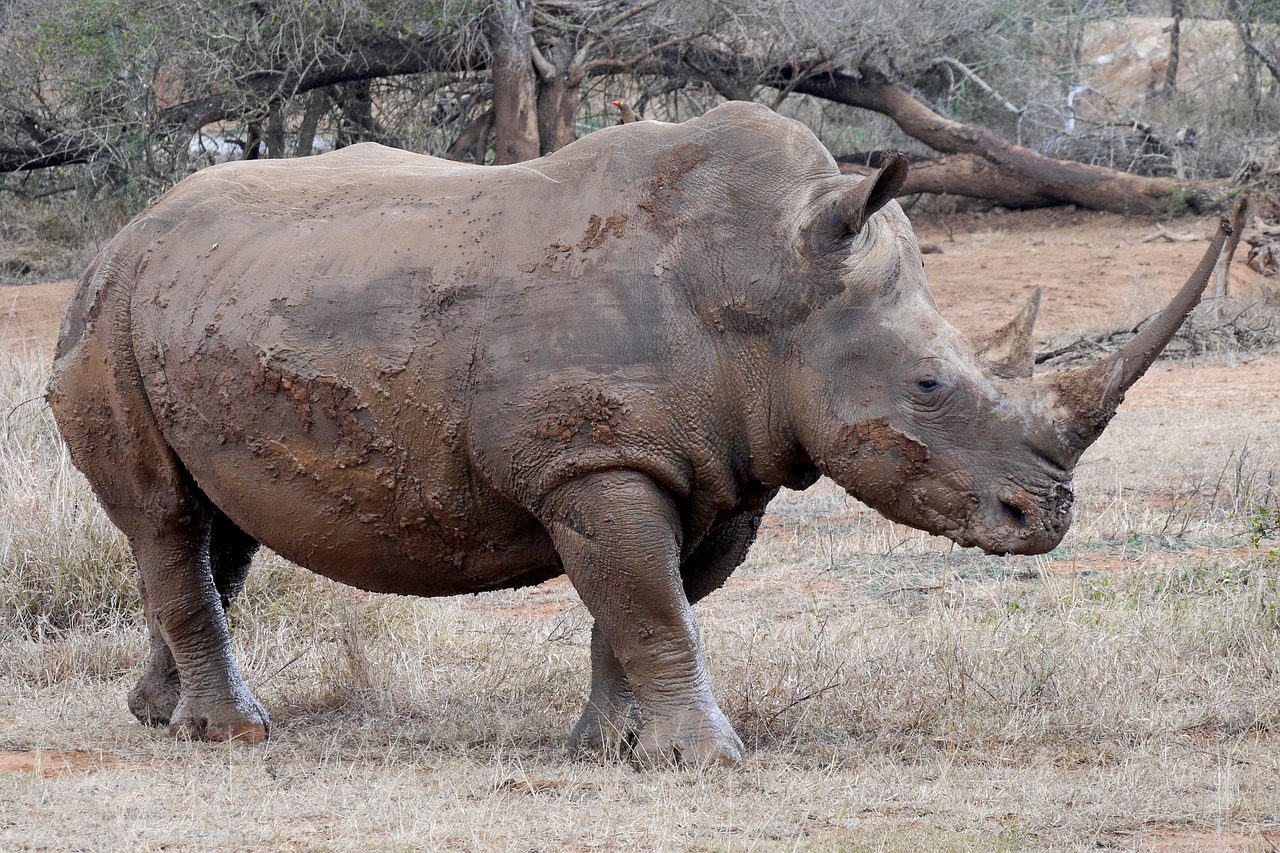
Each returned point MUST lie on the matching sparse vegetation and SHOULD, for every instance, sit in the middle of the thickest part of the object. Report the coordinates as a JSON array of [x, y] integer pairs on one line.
[[896, 693]]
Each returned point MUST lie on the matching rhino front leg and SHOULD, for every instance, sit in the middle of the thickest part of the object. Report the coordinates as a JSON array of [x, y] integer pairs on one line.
[[612, 716], [618, 536]]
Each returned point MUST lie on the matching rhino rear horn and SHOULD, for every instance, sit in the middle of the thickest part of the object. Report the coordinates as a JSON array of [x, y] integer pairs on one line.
[[1007, 351], [844, 212]]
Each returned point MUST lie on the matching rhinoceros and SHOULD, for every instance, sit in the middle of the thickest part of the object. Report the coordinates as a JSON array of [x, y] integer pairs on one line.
[[426, 378]]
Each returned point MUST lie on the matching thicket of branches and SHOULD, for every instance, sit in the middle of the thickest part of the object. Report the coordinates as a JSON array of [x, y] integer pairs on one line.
[[112, 101]]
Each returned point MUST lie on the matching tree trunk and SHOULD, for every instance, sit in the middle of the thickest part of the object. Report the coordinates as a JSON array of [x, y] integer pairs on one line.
[[557, 115], [275, 132], [508, 29], [1177, 8], [558, 88], [317, 105], [473, 140], [356, 124], [253, 146], [989, 162]]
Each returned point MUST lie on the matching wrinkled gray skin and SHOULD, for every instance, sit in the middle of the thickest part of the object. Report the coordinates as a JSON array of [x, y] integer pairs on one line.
[[425, 378]]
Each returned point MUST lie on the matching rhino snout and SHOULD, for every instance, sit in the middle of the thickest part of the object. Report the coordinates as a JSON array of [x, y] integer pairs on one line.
[[1016, 520]]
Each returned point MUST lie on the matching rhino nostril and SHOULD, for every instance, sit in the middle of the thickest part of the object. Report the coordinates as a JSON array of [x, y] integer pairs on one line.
[[1016, 515]]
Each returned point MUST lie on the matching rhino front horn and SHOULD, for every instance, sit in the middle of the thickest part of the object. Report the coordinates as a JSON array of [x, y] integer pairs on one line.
[[1087, 396]]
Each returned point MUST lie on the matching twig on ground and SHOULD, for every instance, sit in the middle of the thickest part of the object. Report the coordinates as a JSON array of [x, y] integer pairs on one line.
[[288, 664], [1239, 762], [1163, 233], [9, 413], [933, 587], [831, 685]]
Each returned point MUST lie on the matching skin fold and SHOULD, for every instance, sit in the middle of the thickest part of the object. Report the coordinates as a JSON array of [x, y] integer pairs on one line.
[[425, 378]]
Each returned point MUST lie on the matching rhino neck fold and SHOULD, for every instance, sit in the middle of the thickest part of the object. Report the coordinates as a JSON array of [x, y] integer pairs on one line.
[[770, 451]]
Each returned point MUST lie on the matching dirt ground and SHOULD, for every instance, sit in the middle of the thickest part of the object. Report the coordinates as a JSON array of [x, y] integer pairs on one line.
[[1096, 270], [30, 313], [1098, 273]]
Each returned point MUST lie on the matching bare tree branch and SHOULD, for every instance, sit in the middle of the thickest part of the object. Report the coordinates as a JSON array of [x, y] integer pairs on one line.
[[1243, 30], [978, 81], [615, 66]]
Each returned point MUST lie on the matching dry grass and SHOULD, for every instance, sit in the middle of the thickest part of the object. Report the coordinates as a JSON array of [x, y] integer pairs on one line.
[[895, 693]]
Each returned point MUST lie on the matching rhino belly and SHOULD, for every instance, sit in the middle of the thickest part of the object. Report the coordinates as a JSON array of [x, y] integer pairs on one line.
[[385, 520], [343, 453]]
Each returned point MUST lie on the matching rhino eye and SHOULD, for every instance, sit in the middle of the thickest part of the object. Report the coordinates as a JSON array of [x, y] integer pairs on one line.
[[927, 384]]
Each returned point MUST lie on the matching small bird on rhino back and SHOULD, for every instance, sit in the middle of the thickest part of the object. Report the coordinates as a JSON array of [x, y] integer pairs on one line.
[[628, 114]]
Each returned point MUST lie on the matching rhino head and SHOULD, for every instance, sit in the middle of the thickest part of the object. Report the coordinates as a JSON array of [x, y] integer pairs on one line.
[[932, 429]]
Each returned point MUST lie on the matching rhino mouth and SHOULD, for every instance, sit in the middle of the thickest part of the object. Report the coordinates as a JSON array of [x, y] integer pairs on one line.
[[1008, 520], [1019, 521], [957, 526]]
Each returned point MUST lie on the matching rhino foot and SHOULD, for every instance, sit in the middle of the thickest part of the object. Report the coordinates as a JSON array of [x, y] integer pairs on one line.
[[241, 719], [608, 731], [157, 692], [690, 739], [152, 700]]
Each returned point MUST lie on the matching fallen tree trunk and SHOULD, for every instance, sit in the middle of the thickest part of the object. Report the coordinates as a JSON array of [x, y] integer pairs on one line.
[[982, 165], [969, 176]]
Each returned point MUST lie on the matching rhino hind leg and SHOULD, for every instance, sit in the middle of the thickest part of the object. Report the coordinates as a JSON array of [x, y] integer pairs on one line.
[[231, 551], [98, 398], [155, 696], [610, 722], [185, 612]]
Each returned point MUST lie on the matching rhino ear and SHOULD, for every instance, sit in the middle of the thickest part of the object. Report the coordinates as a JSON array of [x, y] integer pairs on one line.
[[844, 213], [874, 192]]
